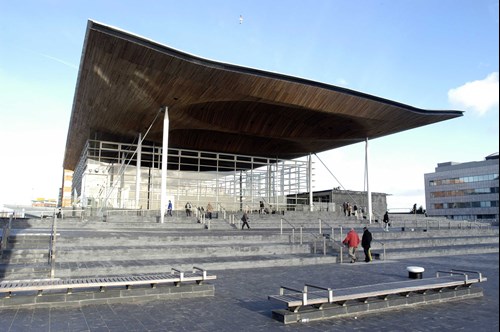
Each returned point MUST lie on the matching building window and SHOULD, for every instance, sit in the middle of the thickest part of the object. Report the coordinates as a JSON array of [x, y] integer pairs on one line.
[[465, 179]]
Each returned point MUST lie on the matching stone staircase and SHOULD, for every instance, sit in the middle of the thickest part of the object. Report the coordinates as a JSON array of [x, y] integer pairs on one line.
[[131, 245]]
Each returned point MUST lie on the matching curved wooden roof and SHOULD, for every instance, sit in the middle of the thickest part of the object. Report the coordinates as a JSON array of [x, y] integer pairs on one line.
[[124, 80]]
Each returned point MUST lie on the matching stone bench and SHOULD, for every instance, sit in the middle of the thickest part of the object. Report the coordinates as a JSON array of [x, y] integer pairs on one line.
[[302, 302], [176, 278]]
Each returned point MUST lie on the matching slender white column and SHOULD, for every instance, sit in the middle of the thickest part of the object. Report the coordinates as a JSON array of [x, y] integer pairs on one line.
[[138, 172], [368, 192], [309, 179], [164, 159]]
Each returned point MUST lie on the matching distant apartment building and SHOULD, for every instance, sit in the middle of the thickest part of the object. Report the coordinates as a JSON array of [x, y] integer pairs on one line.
[[463, 191]]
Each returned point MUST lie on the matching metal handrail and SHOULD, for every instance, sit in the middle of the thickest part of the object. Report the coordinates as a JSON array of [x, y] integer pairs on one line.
[[383, 246], [221, 208], [52, 247], [5, 235], [288, 222], [321, 226], [333, 242]]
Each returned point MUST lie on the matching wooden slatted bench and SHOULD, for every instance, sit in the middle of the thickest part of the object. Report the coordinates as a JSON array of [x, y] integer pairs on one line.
[[295, 299], [177, 277]]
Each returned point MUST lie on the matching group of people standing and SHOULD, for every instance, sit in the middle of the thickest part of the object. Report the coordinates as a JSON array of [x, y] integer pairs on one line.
[[189, 209], [352, 210], [352, 241]]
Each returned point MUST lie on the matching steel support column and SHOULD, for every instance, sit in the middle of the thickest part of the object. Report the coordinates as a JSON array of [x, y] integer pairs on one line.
[[164, 159], [309, 184], [138, 172], [368, 192]]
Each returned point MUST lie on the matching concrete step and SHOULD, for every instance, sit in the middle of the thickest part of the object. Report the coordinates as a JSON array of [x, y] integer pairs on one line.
[[109, 268], [91, 254], [404, 253], [25, 256], [435, 242], [35, 240], [13, 271], [89, 239], [380, 235]]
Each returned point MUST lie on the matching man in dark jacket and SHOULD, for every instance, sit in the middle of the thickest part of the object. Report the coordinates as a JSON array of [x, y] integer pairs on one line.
[[386, 221], [245, 220], [366, 241]]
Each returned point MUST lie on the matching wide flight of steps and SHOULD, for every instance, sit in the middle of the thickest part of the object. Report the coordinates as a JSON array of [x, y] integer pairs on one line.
[[131, 245]]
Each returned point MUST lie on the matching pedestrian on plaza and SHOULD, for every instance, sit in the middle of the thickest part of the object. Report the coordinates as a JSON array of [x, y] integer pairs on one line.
[[210, 209], [169, 208], [386, 221], [352, 242], [366, 241], [188, 209], [261, 207], [245, 220]]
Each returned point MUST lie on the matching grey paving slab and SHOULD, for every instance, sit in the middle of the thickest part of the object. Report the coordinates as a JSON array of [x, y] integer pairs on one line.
[[240, 303]]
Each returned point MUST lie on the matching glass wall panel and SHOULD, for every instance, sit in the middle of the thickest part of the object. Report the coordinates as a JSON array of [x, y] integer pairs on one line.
[[107, 171]]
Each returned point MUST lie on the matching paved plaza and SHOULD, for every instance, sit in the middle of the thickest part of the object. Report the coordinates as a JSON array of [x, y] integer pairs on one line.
[[240, 303]]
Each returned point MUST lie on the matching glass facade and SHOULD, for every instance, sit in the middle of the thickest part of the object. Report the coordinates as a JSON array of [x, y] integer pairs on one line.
[[114, 175], [464, 191]]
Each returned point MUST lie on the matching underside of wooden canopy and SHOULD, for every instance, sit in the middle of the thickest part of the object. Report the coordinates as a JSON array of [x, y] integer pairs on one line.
[[124, 80]]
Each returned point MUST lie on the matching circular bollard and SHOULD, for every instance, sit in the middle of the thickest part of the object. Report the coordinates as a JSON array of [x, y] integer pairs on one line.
[[415, 272]]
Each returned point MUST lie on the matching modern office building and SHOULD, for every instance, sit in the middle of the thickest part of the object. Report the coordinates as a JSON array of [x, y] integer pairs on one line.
[[463, 191], [150, 124]]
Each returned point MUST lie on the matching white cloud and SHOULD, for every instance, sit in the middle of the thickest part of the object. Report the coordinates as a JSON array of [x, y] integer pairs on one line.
[[478, 96], [342, 82]]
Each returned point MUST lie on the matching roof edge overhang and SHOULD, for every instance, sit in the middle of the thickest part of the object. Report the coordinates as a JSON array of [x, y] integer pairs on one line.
[[70, 159]]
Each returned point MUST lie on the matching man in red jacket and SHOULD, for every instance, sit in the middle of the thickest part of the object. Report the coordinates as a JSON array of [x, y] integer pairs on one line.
[[352, 241]]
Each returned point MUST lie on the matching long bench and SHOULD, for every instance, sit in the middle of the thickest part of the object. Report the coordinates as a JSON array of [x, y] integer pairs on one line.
[[177, 277], [318, 297]]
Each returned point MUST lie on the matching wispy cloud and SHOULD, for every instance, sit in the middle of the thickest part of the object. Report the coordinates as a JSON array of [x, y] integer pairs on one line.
[[480, 96], [58, 60]]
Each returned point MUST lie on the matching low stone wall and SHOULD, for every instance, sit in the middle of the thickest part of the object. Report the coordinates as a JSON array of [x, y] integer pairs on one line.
[[111, 295], [375, 305]]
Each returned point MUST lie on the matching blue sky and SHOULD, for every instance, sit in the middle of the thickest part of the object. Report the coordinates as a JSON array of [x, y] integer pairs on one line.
[[430, 54]]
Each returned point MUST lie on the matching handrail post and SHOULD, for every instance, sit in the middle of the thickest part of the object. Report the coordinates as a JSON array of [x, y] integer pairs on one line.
[[319, 220], [301, 234], [281, 226], [52, 253], [293, 235], [324, 246], [5, 235]]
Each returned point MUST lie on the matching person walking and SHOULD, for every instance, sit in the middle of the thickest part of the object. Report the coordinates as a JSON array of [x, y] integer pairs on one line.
[[386, 221], [169, 208], [352, 242], [366, 241], [210, 209], [188, 208], [245, 221]]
